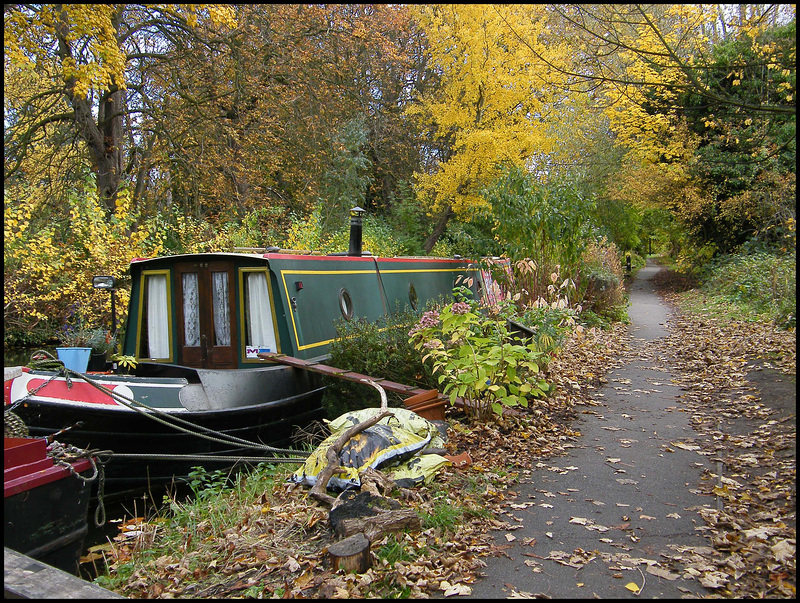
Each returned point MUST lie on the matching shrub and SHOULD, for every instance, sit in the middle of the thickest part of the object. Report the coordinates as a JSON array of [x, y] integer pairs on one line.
[[601, 282], [550, 328], [378, 349], [477, 359], [762, 284]]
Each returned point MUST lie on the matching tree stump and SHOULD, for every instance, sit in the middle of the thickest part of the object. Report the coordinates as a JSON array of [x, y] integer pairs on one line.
[[351, 554]]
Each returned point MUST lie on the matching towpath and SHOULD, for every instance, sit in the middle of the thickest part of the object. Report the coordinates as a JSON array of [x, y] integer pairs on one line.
[[606, 520]]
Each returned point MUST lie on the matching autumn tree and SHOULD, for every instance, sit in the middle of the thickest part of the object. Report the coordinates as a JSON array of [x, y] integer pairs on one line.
[[491, 107], [81, 54], [703, 99]]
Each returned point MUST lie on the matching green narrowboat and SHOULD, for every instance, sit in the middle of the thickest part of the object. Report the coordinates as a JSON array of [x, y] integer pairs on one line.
[[200, 395]]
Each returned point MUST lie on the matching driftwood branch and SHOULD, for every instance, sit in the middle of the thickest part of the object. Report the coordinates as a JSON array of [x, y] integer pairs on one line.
[[318, 492]]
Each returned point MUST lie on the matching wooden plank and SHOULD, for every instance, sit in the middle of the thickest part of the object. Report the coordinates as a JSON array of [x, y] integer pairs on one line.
[[417, 395], [26, 578], [332, 371]]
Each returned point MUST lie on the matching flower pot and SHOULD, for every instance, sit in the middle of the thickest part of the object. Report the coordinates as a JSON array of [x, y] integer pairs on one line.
[[75, 359]]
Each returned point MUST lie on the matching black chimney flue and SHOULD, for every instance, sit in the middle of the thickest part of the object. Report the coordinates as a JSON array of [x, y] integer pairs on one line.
[[356, 221]]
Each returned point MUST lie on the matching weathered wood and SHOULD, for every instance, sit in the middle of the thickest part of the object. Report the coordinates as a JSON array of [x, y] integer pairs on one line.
[[375, 482], [26, 578], [375, 527], [351, 554], [371, 514]]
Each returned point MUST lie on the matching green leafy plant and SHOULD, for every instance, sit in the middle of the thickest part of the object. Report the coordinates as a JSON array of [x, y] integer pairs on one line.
[[126, 362], [102, 341], [206, 484], [477, 359]]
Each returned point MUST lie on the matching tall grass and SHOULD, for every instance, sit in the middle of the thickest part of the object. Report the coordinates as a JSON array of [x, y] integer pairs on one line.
[[756, 286]]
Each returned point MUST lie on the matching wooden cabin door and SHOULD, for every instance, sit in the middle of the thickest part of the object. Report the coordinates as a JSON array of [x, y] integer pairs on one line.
[[206, 313]]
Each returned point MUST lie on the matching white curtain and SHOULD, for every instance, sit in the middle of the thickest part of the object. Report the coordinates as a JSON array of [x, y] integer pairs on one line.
[[157, 316], [222, 321], [191, 310], [260, 331]]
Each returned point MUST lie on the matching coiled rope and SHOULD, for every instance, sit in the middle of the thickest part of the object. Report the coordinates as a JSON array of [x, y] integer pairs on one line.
[[66, 454]]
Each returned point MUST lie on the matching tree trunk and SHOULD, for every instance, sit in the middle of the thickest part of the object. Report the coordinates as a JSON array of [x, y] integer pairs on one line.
[[351, 554], [104, 137], [108, 158], [438, 230]]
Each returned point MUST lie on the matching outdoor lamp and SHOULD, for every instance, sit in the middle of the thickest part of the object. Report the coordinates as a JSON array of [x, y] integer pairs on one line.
[[104, 282]]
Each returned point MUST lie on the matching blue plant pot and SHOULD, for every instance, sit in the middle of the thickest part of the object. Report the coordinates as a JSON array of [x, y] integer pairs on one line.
[[75, 359]]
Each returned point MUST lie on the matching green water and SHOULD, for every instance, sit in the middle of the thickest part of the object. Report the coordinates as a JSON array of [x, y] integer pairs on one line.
[[21, 356]]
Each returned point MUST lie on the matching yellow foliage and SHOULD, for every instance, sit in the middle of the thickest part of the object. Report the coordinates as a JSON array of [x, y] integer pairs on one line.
[[96, 62], [655, 74], [493, 98], [48, 266]]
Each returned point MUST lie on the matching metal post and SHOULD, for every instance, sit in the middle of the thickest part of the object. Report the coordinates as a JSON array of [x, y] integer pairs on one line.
[[113, 313], [109, 284]]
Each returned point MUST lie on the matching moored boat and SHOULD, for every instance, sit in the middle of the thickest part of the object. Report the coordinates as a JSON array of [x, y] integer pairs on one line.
[[196, 324], [45, 505]]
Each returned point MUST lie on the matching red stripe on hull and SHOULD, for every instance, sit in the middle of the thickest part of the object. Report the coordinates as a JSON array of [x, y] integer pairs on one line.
[[79, 392]]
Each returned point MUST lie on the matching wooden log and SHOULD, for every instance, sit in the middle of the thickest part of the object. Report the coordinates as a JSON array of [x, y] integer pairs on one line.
[[375, 526], [351, 554]]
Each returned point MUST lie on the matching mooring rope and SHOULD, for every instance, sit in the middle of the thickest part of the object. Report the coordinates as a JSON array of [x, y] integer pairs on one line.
[[208, 457], [66, 454], [148, 411]]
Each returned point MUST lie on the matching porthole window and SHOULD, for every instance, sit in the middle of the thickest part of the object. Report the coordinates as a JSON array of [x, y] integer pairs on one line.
[[345, 304], [412, 296]]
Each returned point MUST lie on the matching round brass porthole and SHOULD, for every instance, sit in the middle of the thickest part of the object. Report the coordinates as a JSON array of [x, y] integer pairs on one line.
[[412, 296], [345, 304]]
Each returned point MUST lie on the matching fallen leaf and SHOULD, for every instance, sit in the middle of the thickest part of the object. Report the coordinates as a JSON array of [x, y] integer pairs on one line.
[[632, 586], [458, 590], [783, 550], [662, 573]]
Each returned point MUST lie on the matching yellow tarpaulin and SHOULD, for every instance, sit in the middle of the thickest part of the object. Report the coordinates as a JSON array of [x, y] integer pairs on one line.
[[395, 441]]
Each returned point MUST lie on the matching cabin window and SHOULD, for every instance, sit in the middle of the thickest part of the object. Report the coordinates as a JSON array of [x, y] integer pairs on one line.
[[259, 322], [345, 304], [412, 296], [191, 310], [154, 342], [222, 320]]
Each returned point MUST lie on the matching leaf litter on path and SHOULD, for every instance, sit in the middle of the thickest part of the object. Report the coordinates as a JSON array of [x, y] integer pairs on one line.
[[752, 543]]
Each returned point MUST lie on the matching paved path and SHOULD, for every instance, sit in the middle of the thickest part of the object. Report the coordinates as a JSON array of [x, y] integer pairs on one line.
[[623, 494]]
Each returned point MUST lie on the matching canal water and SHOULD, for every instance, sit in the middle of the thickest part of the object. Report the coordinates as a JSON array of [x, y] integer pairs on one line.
[[21, 356]]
